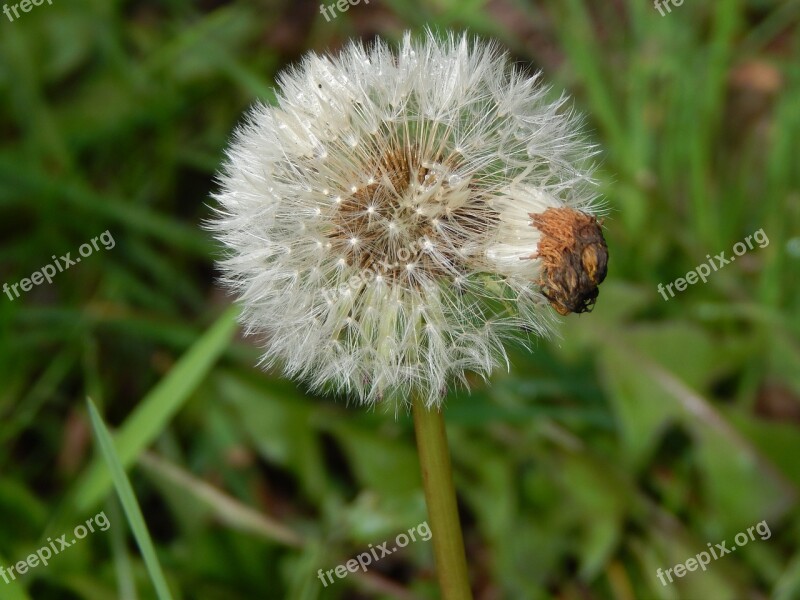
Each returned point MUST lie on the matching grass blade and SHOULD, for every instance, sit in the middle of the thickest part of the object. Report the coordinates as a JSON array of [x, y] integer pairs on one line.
[[158, 407], [129, 503]]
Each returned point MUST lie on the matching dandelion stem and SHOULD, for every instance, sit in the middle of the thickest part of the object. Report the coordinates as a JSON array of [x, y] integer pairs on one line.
[[440, 495]]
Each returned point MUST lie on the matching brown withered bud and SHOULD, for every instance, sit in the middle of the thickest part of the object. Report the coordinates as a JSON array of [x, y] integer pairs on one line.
[[574, 258]]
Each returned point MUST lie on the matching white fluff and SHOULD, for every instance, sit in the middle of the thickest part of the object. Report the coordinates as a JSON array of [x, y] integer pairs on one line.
[[376, 220]]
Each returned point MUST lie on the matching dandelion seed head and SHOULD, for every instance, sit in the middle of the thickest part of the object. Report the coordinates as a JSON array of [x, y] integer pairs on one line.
[[377, 221]]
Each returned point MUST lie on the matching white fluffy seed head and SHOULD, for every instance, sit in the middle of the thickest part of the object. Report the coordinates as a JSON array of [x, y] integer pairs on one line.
[[377, 219]]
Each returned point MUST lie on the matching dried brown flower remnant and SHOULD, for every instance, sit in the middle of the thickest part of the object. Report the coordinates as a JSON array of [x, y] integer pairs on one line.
[[574, 258]]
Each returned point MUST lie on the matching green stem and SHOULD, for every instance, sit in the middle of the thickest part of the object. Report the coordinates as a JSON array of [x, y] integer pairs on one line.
[[440, 495]]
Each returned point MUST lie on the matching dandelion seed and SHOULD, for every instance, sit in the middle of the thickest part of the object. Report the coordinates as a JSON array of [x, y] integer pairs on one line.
[[457, 148]]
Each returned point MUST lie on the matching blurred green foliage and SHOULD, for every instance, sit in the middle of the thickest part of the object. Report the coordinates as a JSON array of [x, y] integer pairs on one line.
[[643, 432]]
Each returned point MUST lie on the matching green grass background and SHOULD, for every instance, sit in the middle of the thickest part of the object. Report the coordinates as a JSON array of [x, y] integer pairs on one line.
[[641, 433]]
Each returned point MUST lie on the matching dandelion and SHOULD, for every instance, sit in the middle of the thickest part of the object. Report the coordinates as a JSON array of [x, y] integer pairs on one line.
[[427, 167], [398, 217]]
